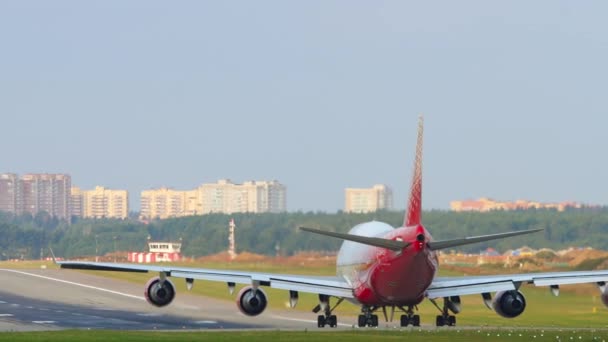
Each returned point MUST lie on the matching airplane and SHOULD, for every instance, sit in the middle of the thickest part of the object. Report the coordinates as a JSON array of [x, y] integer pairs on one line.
[[378, 268]]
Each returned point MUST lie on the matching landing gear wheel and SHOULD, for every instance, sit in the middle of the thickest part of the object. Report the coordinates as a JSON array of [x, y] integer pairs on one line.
[[373, 321], [321, 321], [409, 317], [366, 318], [361, 322], [405, 320], [415, 320], [332, 321], [446, 320]]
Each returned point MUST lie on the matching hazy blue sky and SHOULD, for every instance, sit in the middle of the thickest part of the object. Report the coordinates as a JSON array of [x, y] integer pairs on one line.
[[320, 95]]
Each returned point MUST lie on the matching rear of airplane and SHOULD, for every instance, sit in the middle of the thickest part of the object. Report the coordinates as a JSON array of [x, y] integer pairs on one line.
[[416, 236]]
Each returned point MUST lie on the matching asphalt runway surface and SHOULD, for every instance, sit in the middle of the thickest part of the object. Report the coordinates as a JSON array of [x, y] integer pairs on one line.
[[51, 299]]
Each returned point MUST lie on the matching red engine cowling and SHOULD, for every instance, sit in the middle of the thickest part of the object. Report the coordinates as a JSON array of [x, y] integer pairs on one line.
[[509, 304], [251, 302], [159, 293]]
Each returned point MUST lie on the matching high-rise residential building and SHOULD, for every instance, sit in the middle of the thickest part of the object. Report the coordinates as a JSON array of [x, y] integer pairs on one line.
[[9, 192], [221, 197], [162, 203], [33, 193], [45, 192], [192, 202], [100, 203], [368, 200], [249, 197], [271, 196], [53, 193], [76, 202]]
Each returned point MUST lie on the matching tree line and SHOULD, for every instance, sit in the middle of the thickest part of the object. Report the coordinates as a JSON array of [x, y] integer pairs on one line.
[[28, 236]]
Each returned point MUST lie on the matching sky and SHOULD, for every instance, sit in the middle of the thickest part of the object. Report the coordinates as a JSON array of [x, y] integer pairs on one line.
[[320, 95]]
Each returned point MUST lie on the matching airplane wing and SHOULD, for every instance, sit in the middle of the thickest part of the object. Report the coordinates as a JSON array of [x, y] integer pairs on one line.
[[327, 285], [457, 286]]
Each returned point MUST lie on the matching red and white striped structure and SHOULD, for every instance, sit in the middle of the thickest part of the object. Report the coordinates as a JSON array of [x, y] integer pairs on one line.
[[159, 252], [147, 257], [231, 240]]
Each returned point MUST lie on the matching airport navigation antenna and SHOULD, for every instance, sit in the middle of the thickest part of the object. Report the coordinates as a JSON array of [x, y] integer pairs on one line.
[[231, 240]]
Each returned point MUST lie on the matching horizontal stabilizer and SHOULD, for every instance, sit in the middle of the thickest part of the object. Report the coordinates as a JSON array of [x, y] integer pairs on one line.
[[436, 245], [372, 241]]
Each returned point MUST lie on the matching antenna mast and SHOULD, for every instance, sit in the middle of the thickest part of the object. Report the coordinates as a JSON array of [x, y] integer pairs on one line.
[[231, 240]]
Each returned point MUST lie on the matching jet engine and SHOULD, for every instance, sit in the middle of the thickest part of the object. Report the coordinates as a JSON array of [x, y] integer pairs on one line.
[[250, 301], [509, 304], [159, 292], [605, 298], [453, 303]]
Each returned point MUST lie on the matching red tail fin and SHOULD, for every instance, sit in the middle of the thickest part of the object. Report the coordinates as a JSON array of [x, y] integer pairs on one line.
[[413, 214]]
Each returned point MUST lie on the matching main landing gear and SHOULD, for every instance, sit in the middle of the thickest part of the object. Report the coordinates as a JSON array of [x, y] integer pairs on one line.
[[410, 318], [448, 320], [331, 320], [445, 318], [369, 319], [327, 318]]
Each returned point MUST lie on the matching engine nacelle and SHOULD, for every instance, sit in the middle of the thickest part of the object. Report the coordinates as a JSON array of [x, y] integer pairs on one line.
[[159, 292], [509, 304], [251, 302], [604, 297], [453, 304]]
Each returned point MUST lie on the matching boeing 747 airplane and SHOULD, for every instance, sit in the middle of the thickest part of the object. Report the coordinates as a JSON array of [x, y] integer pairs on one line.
[[379, 267]]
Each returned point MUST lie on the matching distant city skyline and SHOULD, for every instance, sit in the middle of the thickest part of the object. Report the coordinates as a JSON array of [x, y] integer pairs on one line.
[[487, 204], [54, 193], [322, 95]]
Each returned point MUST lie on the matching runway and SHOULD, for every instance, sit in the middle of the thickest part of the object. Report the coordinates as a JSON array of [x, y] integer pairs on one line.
[[51, 299]]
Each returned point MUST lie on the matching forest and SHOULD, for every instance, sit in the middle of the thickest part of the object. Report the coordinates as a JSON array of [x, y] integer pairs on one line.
[[29, 237]]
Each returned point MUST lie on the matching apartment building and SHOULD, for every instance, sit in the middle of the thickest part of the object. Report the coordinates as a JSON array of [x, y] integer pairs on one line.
[[249, 197], [9, 192], [272, 197], [76, 202], [366, 200], [46, 192], [100, 203], [221, 197], [162, 203], [33, 193]]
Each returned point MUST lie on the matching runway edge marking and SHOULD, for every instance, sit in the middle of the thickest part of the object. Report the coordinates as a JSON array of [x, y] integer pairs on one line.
[[74, 283], [305, 320]]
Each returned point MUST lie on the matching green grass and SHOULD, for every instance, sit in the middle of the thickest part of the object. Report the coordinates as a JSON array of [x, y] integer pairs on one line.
[[296, 336], [28, 264]]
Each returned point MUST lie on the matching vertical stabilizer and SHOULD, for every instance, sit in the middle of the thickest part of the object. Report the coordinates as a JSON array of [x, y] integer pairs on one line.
[[414, 206]]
